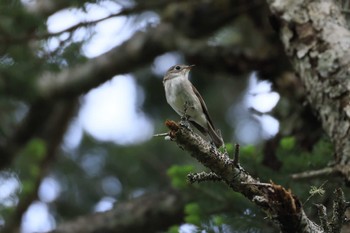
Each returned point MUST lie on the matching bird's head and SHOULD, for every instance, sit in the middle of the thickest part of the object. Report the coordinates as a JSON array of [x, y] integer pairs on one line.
[[177, 71]]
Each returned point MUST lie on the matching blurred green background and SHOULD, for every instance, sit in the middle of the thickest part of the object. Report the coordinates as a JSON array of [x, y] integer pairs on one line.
[[71, 150]]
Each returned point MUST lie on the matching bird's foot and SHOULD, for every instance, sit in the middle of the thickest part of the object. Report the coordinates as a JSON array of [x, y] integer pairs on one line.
[[185, 123], [185, 117]]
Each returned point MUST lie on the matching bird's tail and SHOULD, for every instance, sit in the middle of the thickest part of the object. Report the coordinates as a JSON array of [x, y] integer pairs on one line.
[[217, 139]]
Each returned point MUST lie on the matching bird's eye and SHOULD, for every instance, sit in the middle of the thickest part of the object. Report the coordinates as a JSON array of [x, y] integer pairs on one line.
[[177, 67]]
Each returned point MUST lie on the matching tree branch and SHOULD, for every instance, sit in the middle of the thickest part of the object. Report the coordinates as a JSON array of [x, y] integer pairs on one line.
[[143, 47], [280, 205], [333, 224], [314, 173], [148, 214], [137, 51], [51, 133], [42, 6], [140, 50]]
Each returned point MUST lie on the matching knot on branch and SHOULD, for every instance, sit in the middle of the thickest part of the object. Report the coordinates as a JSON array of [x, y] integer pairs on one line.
[[173, 126]]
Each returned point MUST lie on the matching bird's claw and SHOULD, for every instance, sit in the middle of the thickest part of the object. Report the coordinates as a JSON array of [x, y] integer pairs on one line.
[[185, 123]]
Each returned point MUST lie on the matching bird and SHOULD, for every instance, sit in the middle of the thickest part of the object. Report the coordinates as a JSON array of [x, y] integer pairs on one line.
[[185, 99]]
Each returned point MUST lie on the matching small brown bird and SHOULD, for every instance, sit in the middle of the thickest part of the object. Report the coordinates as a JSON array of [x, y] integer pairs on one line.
[[181, 94]]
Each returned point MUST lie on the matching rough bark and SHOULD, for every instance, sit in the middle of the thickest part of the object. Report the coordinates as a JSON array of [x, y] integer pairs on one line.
[[317, 42], [282, 207]]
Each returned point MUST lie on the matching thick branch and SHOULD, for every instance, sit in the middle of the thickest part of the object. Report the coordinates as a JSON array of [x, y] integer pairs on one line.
[[52, 132], [316, 39], [138, 51], [143, 47], [280, 205], [148, 214]]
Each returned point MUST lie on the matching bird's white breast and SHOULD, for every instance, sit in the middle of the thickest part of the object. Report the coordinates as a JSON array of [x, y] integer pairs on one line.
[[178, 91]]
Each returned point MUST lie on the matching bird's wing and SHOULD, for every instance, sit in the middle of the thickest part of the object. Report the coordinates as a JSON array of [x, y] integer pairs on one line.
[[204, 107]]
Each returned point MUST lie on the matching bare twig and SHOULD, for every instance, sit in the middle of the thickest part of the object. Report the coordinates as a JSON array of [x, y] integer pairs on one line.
[[161, 134], [257, 184], [313, 174]]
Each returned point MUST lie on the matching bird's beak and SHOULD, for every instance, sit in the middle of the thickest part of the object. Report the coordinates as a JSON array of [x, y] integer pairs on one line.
[[189, 67]]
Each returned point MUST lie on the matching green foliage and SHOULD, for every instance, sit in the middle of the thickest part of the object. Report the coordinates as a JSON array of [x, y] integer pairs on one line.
[[193, 219], [19, 61], [29, 164], [323, 148], [178, 175], [229, 148], [192, 209], [17, 22], [24, 51], [72, 54], [247, 150], [218, 220], [192, 213], [17, 74], [36, 149], [294, 160], [173, 229], [27, 186], [287, 143]]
